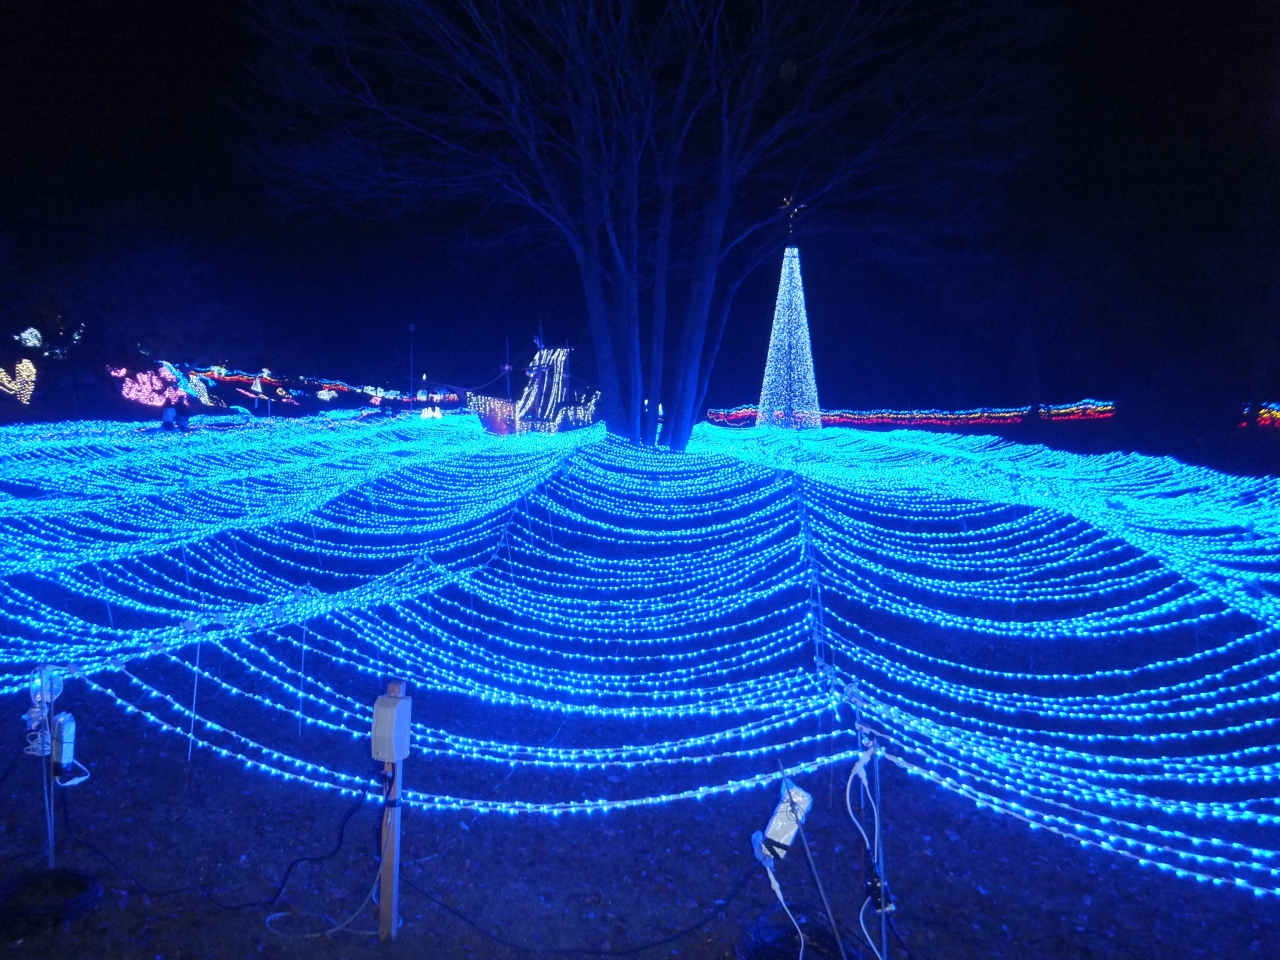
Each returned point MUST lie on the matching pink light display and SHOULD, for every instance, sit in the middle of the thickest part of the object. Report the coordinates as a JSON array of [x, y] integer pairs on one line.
[[151, 388]]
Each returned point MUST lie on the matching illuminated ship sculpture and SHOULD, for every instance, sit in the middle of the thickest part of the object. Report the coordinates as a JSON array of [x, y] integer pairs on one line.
[[546, 405]]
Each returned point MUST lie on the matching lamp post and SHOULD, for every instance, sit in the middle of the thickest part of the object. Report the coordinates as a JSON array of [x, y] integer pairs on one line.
[[412, 391], [506, 366]]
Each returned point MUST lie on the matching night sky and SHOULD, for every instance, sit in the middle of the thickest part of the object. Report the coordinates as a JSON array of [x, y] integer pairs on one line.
[[1133, 256]]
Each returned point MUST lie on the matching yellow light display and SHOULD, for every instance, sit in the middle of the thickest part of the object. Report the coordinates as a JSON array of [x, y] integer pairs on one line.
[[23, 382]]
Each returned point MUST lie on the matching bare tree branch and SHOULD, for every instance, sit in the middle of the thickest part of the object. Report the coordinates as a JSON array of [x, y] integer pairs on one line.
[[669, 147]]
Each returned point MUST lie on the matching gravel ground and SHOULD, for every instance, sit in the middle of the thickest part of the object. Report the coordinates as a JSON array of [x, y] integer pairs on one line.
[[968, 882]]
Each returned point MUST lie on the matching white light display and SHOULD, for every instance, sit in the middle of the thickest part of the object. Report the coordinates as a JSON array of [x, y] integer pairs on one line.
[[1088, 643], [545, 392], [789, 397], [544, 406], [30, 337]]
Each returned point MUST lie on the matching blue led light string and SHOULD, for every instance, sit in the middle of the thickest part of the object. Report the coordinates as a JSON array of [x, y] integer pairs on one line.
[[314, 773], [686, 751], [663, 611], [1087, 838], [1102, 707], [1221, 533], [1236, 856]]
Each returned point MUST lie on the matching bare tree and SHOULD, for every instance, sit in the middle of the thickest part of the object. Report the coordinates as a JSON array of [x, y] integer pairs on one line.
[[669, 145]]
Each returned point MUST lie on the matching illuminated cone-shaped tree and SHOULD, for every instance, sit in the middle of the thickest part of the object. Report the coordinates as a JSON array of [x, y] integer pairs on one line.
[[789, 397]]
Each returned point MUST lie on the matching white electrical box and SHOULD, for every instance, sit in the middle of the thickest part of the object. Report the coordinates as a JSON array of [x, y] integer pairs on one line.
[[788, 816], [62, 731], [391, 727]]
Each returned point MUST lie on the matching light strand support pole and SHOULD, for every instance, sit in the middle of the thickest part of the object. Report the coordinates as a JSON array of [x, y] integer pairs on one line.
[[397, 713], [195, 673], [389, 876], [884, 883]]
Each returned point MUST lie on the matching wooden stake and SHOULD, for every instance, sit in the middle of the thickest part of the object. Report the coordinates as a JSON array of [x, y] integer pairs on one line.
[[389, 878]]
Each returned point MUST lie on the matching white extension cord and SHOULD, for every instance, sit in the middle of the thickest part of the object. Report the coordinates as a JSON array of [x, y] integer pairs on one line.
[[860, 772], [766, 861], [334, 928]]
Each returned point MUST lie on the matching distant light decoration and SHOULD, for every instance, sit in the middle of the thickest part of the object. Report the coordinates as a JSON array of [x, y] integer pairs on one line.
[[297, 390], [985, 417], [1081, 410], [280, 396], [497, 414], [577, 415], [1088, 643], [789, 396], [23, 382], [544, 406], [220, 374], [191, 385], [151, 388], [165, 384], [30, 337], [1266, 415], [168, 382], [745, 416], [546, 390], [500, 416]]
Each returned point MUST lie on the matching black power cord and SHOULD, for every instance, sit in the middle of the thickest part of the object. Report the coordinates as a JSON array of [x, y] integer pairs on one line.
[[337, 845], [76, 838], [590, 951], [342, 829], [771, 937]]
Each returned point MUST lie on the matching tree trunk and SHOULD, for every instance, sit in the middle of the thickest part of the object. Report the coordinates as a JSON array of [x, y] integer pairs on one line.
[[713, 344], [658, 342], [626, 331], [701, 292], [630, 278], [611, 409]]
